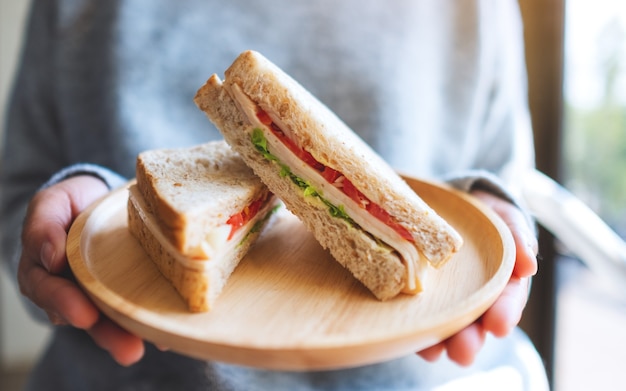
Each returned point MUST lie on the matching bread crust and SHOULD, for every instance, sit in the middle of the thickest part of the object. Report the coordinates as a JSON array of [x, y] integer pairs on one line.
[[318, 130], [198, 288], [173, 183], [380, 270]]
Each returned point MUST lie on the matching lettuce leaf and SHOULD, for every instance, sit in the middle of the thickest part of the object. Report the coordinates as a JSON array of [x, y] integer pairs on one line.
[[259, 224], [260, 143]]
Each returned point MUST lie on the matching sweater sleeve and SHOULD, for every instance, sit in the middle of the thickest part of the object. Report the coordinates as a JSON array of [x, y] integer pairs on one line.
[[12, 222], [506, 150], [484, 180], [506, 139], [30, 136], [34, 153]]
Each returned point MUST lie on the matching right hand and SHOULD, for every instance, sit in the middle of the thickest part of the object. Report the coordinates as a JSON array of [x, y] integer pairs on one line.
[[506, 312], [44, 275]]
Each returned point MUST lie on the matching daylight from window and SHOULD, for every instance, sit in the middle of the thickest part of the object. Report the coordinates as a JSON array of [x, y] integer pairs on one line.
[[595, 106], [590, 349]]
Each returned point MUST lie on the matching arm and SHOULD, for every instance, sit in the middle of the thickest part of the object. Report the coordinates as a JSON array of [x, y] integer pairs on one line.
[[502, 159], [40, 199], [29, 137]]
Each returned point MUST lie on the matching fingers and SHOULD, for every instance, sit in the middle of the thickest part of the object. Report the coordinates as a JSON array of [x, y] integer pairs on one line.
[[507, 310], [62, 300], [525, 254], [44, 276], [433, 353], [499, 320], [50, 215], [124, 347], [162, 348], [43, 261], [525, 241], [45, 230], [463, 347]]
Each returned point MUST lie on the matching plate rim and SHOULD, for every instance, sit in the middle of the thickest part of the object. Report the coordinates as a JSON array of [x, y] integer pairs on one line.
[[114, 305]]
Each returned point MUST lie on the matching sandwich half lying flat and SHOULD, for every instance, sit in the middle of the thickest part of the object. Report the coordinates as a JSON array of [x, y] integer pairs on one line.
[[355, 204], [196, 211]]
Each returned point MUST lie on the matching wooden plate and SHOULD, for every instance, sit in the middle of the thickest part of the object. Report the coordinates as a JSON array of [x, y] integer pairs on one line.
[[289, 305]]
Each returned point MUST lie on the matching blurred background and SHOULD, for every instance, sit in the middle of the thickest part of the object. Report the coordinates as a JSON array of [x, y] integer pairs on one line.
[[590, 337], [577, 65], [21, 339]]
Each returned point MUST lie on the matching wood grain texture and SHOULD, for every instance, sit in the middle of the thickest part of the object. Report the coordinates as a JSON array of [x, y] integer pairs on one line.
[[289, 305]]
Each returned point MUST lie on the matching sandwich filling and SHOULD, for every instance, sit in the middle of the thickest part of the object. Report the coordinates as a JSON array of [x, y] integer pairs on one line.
[[222, 240], [331, 187], [248, 213]]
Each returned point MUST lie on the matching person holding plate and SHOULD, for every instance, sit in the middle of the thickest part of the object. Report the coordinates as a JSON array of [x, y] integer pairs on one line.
[[436, 87]]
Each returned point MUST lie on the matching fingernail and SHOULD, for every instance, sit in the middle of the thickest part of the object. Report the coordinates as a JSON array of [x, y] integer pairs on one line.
[[531, 251], [162, 348], [47, 255], [56, 319], [529, 240]]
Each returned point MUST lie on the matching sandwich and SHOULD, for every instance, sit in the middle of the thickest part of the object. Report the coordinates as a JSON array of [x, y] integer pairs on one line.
[[352, 201], [196, 211]]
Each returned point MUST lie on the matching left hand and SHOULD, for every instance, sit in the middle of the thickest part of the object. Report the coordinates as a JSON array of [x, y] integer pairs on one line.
[[502, 317], [44, 275]]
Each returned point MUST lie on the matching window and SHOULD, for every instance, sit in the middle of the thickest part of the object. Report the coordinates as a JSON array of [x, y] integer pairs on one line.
[[590, 345]]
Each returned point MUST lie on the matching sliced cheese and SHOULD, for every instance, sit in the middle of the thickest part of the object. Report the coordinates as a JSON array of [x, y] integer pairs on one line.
[[216, 244], [415, 265]]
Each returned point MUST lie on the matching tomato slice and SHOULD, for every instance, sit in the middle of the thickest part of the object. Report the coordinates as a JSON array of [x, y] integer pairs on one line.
[[240, 219], [235, 221], [382, 215], [355, 194], [253, 209], [264, 117], [331, 175], [375, 210]]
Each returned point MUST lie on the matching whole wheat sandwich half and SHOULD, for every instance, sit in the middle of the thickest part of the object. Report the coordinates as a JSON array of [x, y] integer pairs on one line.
[[196, 211], [352, 201]]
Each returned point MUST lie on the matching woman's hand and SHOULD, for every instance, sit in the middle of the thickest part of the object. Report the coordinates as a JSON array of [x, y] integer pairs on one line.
[[506, 312], [44, 275]]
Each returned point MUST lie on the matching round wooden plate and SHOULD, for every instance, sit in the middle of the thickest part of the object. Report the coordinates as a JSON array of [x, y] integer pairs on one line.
[[289, 305]]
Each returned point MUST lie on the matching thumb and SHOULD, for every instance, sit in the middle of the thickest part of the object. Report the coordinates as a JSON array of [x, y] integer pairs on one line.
[[50, 215]]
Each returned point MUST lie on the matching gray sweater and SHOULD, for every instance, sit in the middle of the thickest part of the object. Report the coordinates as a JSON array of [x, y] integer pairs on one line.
[[437, 87]]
